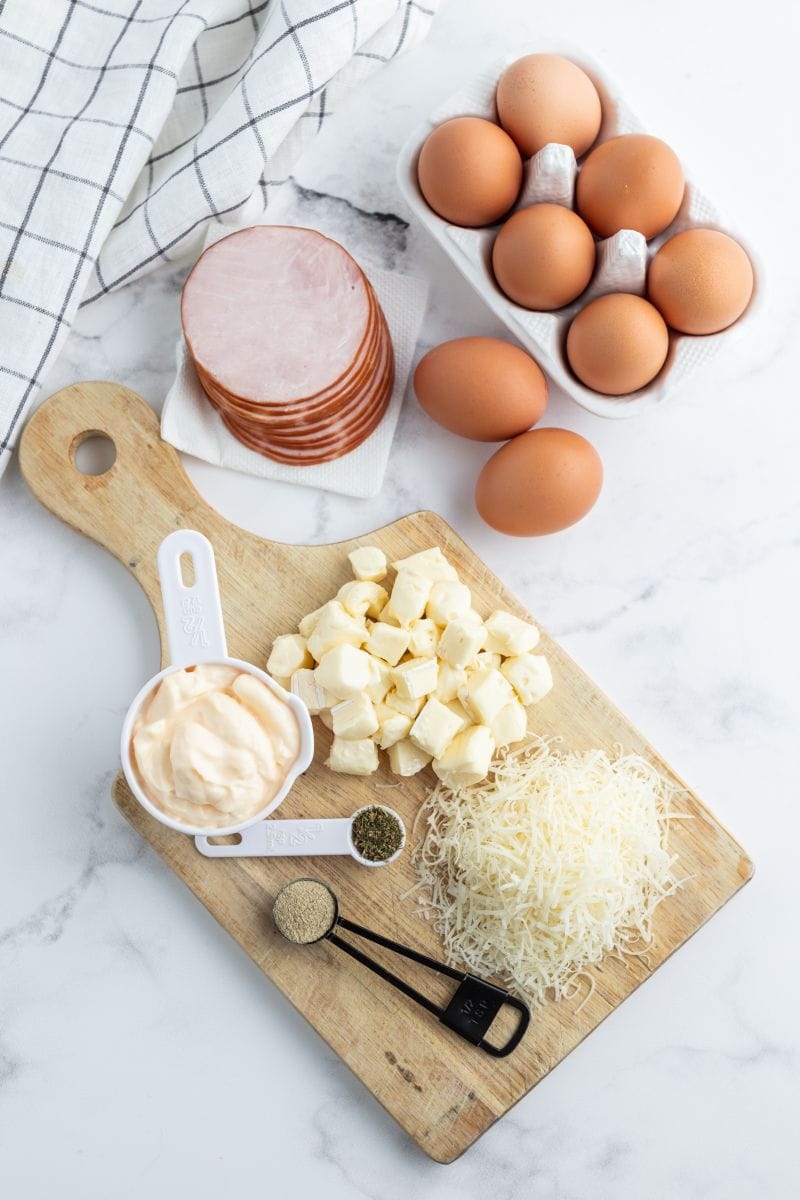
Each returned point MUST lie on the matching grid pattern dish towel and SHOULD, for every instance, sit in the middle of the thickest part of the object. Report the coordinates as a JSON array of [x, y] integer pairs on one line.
[[127, 126]]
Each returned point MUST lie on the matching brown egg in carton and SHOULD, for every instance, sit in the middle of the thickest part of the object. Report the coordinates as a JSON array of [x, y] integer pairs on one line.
[[622, 260]]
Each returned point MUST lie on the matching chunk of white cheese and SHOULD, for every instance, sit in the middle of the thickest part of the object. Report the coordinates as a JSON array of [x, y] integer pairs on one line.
[[434, 728], [416, 677], [488, 658], [510, 636], [423, 637], [354, 718], [368, 563], [510, 724], [388, 642], [358, 757], [448, 599], [449, 681], [409, 597], [344, 671], [407, 759], [334, 627], [362, 599], [392, 726], [460, 713], [427, 562], [308, 623], [484, 694], [529, 675], [381, 679], [404, 704], [460, 642], [468, 757], [289, 654], [304, 685]]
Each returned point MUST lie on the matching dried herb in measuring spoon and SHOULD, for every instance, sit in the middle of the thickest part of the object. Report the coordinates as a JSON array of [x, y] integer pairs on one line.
[[377, 834]]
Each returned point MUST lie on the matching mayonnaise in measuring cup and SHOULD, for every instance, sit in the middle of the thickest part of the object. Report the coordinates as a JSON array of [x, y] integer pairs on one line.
[[212, 745]]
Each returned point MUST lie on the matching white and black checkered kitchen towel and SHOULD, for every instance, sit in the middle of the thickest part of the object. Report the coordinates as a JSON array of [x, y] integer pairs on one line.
[[127, 125]]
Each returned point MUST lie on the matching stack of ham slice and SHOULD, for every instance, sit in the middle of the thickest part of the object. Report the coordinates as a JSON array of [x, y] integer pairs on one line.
[[289, 343]]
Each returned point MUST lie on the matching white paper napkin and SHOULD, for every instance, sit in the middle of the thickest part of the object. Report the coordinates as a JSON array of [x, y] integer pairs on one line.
[[190, 423]]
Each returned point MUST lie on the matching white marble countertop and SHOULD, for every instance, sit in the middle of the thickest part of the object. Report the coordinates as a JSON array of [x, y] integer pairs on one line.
[[141, 1053]]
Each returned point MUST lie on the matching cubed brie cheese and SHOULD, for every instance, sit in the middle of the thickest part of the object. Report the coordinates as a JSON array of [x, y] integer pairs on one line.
[[427, 562], [335, 627], [289, 654], [409, 597], [392, 726], [308, 623], [529, 675], [510, 724], [434, 728], [368, 563], [362, 599], [488, 658], [468, 757], [460, 642], [354, 718], [344, 671], [407, 759], [417, 677], [449, 681], [381, 679], [448, 599], [358, 757], [304, 685], [403, 704], [509, 636], [388, 642], [461, 714], [484, 694], [423, 638]]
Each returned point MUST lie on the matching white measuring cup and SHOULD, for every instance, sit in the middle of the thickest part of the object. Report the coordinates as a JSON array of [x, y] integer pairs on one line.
[[195, 635], [291, 839]]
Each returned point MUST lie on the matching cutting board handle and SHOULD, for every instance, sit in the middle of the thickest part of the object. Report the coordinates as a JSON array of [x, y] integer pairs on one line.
[[131, 507]]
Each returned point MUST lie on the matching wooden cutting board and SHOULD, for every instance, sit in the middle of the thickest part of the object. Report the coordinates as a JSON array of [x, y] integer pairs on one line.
[[444, 1093]]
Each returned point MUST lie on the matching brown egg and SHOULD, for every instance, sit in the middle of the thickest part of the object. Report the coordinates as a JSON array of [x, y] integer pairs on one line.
[[701, 281], [469, 171], [617, 344], [481, 388], [544, 98], [543, 257], [630, 182], [540, 482]]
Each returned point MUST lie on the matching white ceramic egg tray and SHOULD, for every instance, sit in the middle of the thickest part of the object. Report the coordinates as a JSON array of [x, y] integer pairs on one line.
[[621, 260]]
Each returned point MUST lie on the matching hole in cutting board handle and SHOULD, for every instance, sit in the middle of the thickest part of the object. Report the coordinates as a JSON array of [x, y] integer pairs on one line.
[[93, 452]]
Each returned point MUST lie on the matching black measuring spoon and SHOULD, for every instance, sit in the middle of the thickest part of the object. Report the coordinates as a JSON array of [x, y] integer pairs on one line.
[[310, 914]]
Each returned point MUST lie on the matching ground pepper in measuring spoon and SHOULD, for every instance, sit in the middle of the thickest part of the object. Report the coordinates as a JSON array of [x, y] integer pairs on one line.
[[304, 911]]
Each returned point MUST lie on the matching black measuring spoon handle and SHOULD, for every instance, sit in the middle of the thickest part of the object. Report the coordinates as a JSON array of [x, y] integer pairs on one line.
[[366, 961], [473, 1006]]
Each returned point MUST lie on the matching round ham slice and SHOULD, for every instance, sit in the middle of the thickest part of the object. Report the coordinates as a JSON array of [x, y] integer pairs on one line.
[[289, 343], [274, 313]]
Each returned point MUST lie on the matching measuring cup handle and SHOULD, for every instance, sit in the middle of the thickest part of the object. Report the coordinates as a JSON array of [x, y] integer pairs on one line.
[[282, 839], [192, 612]]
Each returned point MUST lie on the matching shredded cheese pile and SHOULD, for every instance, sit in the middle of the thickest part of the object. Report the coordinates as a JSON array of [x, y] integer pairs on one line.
[[555, 861]]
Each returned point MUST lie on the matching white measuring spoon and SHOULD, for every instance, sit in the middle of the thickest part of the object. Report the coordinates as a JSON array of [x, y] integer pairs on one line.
[[290, 839], [196, 634]]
